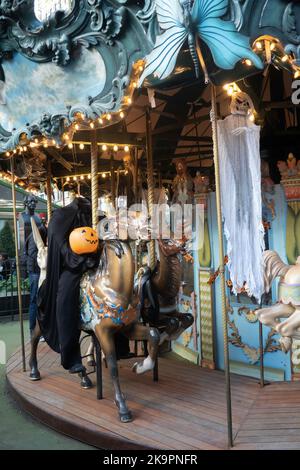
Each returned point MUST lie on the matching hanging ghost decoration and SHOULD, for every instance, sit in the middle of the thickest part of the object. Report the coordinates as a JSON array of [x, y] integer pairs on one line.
[[240, 171]]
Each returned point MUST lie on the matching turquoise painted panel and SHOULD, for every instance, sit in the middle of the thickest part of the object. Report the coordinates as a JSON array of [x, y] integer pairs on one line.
[[249, 332]]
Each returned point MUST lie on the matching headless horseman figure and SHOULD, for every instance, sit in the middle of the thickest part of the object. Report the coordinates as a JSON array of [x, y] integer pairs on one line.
[[59, 296]]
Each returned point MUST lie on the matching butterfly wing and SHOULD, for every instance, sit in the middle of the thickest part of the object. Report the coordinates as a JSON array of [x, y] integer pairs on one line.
[[226, 44], [209, 9], [169, 13], [162, 60]]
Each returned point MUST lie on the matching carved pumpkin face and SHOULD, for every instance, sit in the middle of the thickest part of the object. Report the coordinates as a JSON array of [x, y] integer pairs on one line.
[[84, 240]]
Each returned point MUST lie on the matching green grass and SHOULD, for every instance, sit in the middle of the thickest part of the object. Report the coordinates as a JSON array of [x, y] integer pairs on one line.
[[18, 431]]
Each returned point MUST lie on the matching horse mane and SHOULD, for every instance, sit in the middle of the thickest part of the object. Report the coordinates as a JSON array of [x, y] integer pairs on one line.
[[273, 267]]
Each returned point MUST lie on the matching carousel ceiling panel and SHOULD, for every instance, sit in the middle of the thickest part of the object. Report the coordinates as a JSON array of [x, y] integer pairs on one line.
[[65, 59], [31, 89]]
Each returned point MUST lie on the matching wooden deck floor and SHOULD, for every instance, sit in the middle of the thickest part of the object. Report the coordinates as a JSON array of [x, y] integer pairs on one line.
[[186, 409]]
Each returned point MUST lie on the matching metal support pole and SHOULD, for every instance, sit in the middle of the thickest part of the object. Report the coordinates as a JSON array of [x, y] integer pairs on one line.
[[13, 190], [222, 265], [49, 191], [150, 183], [94, 180], [261, 349]]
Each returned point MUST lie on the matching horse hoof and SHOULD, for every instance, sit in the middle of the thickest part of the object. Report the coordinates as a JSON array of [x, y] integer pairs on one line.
[[34, 376], [86, 383], [126, 417]]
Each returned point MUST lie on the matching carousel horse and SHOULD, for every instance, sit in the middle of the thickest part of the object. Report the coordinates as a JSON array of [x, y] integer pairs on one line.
[[108, 305], [162, 288], [288, 305]]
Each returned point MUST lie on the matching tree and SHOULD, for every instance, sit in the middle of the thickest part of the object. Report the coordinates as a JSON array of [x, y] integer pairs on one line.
[[7, 244]]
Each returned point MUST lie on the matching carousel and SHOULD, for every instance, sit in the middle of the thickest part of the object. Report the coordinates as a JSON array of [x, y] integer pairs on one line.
[[165, 137]]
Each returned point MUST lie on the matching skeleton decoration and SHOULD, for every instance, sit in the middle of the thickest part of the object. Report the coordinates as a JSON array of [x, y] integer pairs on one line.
[[288, 306], [239, 149]]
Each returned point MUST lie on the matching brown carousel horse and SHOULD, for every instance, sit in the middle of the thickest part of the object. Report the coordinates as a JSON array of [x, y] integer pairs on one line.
[[109, 304]]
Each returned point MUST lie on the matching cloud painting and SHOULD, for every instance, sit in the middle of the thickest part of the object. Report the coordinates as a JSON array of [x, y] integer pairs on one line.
[[32, 89]]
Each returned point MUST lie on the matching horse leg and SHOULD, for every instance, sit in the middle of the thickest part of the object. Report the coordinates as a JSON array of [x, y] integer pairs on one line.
[[270, 316], [185, 321], [139, 332], [33, 364], [105, 333], [290, 327]]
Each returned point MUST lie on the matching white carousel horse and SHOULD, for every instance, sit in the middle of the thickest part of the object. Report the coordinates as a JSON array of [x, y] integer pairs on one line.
[[288, 305]]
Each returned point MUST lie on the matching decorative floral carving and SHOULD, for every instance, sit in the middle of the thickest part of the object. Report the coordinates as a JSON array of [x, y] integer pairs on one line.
[[289, 24]]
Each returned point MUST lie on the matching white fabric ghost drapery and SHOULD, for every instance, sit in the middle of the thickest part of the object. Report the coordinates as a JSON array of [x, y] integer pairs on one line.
[[240, 172]]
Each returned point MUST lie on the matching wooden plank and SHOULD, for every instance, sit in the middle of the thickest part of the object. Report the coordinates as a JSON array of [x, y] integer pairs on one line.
[[186, 409]]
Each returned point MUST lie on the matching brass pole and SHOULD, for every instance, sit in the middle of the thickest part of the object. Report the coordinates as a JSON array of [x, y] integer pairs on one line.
[[150, 182], [94, 180], [13, 191], [112, 181], [221, 262], [49, 191]]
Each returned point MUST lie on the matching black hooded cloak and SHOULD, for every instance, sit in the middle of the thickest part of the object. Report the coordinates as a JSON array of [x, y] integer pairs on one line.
[[59, 296]]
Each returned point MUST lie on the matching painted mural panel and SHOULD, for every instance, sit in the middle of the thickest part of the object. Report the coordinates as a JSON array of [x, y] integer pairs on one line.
[[45, 88], [243, 327]]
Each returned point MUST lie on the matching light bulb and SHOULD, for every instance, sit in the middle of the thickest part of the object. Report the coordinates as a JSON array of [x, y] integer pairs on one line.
[[248, 62], [122, 115], [70, 145], [126, 148], [116, 148], [104, 148], [81, 146]]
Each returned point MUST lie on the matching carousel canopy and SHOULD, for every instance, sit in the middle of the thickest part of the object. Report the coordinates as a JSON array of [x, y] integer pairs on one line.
[[72, 69]]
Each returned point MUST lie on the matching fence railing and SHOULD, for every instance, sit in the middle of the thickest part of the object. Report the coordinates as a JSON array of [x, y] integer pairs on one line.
[[9, 292]]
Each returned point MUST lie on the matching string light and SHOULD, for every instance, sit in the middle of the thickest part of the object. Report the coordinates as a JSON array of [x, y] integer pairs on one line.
[[92, 125], [100, 121], [297, 74], [108, 117], [104, 148], [103, 175], [81, 146], [82, 177], [70, 145], [126, 148], [116, 148], [122, 115]]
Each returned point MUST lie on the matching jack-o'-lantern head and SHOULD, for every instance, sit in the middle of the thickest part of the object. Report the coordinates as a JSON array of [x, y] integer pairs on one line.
[[84, 240]]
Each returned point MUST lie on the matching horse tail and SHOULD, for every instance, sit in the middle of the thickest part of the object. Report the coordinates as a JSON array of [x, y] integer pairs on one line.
[[273, 267]]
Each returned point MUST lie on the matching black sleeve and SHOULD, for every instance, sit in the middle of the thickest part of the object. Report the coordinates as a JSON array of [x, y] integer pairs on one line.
[[70, 259]]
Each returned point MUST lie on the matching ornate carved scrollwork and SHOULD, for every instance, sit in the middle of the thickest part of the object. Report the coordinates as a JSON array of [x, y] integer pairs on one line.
[[92, 24]]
